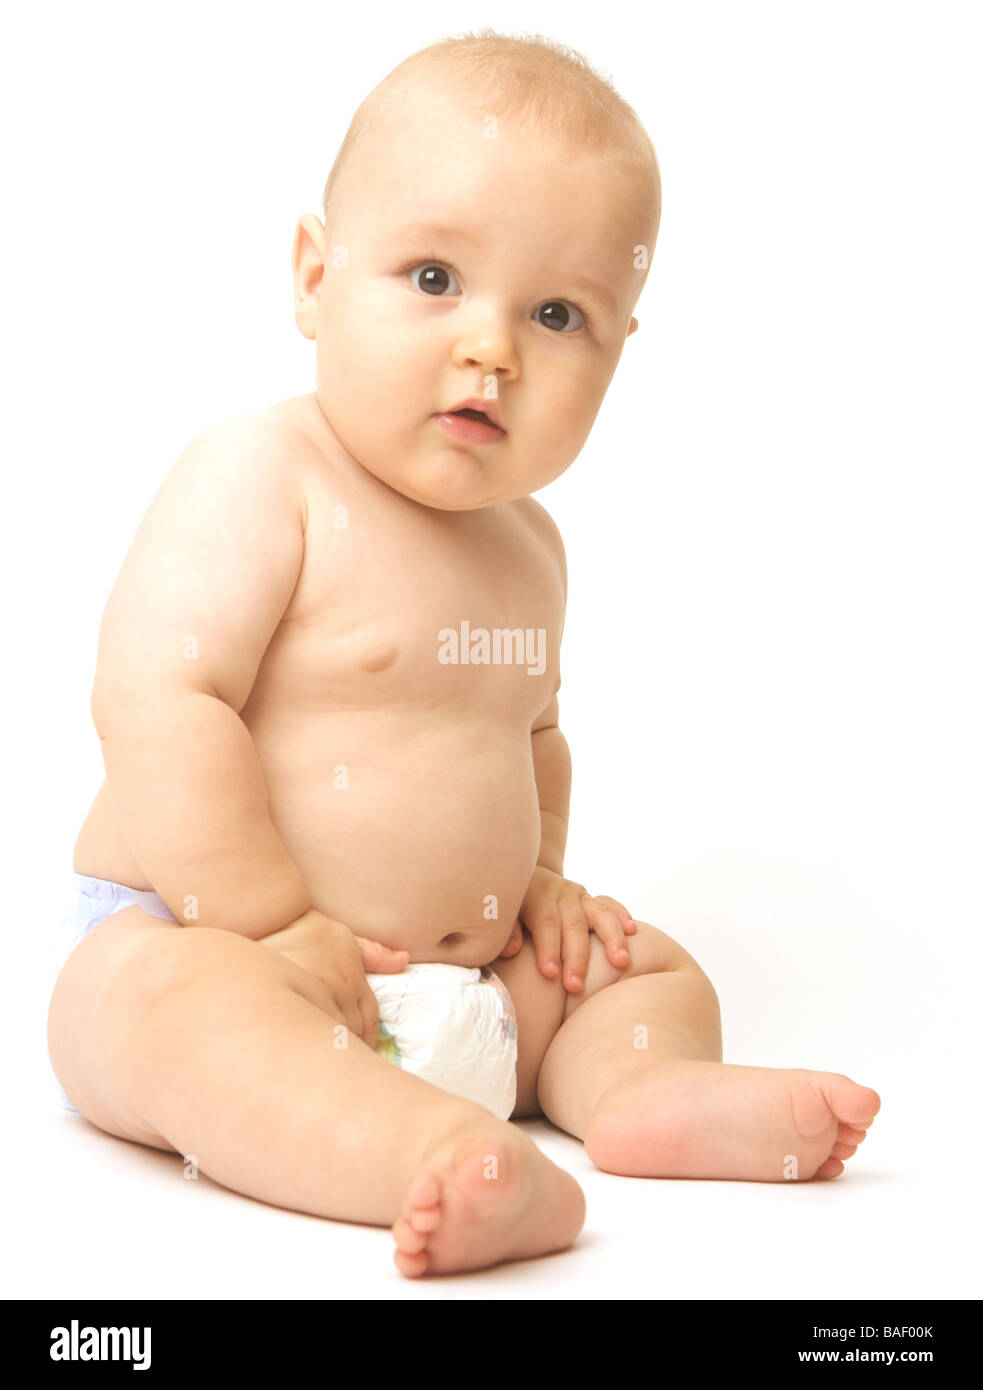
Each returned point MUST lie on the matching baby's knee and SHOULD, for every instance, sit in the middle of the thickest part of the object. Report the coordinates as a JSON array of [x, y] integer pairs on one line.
[[650, 952]]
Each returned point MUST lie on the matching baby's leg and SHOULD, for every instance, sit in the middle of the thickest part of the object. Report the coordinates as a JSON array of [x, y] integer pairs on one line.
[[634, 1069], [217, 1047]]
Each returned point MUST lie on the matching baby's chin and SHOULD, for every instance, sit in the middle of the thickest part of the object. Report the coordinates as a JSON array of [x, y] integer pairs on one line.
[[451, 481]]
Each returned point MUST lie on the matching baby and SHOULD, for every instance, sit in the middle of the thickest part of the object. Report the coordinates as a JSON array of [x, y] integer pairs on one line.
[[326, 694]]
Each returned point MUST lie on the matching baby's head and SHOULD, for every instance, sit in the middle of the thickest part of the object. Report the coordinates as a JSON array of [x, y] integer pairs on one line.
[[488, 227]]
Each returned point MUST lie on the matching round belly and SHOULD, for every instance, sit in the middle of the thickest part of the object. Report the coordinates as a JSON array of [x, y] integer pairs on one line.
[[409, 837]]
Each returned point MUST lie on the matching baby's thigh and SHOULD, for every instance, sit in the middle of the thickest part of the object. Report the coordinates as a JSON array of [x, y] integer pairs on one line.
[[539, 1005], [542, 1005], [109, 989]]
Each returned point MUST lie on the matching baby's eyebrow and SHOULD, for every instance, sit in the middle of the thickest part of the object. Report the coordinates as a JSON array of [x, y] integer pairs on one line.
[[414, 230], [599, 291]]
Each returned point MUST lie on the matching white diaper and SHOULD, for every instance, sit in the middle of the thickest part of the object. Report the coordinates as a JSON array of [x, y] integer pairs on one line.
[[452, 1026]]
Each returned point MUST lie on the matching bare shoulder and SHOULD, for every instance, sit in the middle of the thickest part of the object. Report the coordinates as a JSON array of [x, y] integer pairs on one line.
[[544, 528], [218, 554], [304, 446], [253, 440], [236, 467]]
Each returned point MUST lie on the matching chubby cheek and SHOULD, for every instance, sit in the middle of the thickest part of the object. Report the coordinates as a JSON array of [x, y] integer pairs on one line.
[[342, 353], [384, 377], [550, 448], [570, 396]]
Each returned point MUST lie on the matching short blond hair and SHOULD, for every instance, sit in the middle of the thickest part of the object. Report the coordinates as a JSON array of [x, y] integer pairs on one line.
[[524, 77]]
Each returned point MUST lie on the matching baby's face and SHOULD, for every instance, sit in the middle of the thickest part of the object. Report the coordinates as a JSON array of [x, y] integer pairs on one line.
[[458, 261]]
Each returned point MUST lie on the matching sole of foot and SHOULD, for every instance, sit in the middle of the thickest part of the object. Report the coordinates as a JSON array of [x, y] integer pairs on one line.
[[691, 1119], [481, 1199]]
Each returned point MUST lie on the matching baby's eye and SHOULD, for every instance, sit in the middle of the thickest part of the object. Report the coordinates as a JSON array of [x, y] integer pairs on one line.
[[559, 315], [435, 278]]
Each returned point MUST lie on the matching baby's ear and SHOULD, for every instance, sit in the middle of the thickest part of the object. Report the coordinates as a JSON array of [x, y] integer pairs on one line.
[[631, 327]]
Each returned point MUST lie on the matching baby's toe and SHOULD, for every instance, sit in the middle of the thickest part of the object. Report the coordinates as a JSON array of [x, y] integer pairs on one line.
[[423, 1191], [843, 1150], [428, 1219], [410, 1265], [408, 1240], [864, 1105], [832, 1168]]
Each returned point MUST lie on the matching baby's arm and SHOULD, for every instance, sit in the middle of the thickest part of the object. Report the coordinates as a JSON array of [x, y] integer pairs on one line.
[[551, 761], [201, 591], [557, 913]]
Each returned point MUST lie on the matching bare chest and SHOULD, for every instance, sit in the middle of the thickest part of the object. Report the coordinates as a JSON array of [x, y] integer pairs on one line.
[[399, 606]]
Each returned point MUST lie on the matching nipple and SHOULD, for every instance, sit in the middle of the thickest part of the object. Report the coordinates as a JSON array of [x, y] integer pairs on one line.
[[378, 658]]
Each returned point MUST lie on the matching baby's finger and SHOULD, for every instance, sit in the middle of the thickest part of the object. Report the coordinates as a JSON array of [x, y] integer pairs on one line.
[[628, 923], [576, 948], [352, 1019], [381, 960], [369, 1008], [607, 925], [545, 928]]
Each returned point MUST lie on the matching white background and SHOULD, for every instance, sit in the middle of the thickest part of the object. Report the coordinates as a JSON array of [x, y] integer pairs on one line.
[[771, 668]]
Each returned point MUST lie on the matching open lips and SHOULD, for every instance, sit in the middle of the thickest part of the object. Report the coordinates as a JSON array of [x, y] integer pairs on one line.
[[475, 408], [474, 421]]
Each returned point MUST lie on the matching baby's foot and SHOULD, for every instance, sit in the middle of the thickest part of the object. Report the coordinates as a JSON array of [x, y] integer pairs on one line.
[[689, 1119], [483, 1197]]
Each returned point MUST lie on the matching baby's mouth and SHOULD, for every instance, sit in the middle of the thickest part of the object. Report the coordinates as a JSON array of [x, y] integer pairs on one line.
[[473, 426]]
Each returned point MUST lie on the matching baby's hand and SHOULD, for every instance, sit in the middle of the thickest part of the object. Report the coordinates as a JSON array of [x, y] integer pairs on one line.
[[339, 959], [559, 916]]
